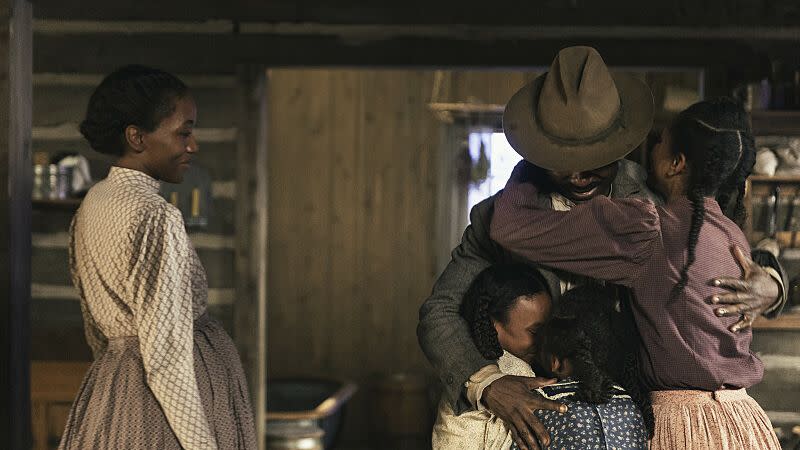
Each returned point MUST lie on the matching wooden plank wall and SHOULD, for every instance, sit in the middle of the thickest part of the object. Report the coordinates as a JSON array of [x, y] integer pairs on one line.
[[353, 176], [59, 105]]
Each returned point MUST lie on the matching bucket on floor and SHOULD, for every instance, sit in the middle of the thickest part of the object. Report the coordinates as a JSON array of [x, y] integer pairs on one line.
[[297, 406], [292, 436], [401, 409]]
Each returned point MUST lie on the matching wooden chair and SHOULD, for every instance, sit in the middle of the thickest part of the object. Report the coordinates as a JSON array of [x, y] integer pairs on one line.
[[54, 385]]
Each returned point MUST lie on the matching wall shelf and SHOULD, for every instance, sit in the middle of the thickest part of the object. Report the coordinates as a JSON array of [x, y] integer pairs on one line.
[[786, 321], [68, 204], [450, 112], [776, 179], [775, 123]]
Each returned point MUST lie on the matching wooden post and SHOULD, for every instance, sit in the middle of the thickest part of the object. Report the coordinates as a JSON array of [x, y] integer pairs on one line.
[[15, 225], [250, 307]]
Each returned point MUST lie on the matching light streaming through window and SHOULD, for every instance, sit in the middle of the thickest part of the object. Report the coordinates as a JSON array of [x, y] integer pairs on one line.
[[501, 158]]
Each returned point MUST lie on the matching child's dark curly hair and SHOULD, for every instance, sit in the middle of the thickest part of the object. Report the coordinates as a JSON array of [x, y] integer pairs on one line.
[[491, 296], [592, 328]]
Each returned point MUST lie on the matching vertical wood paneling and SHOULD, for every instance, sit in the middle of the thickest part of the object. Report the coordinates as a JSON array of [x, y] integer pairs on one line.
[[421, 239], [312, 193], [284, 165], [353, 184], [347, 224], [378, 273], [352, 195]]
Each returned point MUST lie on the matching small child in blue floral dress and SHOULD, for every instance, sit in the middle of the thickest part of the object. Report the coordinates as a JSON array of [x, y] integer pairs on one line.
[[616, 424], [585, 339], [581, 347]]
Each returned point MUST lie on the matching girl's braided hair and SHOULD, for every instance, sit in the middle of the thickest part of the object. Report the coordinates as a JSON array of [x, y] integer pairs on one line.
[[490, 297], [715, 137]]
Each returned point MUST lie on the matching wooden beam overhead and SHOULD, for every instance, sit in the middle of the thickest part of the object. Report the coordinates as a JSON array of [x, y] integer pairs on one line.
[[444, 12], [60, 27], [219, 54], [93, 79], [494, 32], [366, 32]]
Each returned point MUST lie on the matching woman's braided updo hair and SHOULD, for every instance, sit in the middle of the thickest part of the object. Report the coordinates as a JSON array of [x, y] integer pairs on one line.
[[491, 296], [131, 95], [715, 137]]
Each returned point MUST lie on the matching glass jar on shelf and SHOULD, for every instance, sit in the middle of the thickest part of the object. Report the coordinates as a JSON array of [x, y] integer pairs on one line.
[[41, 182]]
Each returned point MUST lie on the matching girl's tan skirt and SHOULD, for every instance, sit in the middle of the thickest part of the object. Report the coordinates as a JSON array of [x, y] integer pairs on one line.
[[721, 420]]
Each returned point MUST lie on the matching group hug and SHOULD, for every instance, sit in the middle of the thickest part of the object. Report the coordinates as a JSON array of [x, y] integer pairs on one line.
[[596, 303]]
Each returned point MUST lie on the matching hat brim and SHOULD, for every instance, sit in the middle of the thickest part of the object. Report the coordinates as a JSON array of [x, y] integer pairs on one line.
[[524, 133]]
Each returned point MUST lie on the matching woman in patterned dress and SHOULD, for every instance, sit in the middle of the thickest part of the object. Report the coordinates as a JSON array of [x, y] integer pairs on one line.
[[165, 375]]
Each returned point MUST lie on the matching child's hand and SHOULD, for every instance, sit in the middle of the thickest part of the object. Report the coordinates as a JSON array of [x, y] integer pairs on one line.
[[514, 400]]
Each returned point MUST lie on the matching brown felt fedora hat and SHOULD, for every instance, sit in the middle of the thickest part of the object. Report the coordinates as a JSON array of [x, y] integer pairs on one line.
[[578, 116]]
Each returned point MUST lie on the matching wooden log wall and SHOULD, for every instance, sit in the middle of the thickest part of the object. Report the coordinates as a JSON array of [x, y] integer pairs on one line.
[[59, 105]]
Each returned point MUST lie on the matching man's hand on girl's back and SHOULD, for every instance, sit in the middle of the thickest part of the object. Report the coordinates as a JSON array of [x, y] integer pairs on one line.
[[514, 400]]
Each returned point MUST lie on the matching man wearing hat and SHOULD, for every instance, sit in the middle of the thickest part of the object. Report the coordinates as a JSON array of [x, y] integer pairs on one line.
[[573, 125]]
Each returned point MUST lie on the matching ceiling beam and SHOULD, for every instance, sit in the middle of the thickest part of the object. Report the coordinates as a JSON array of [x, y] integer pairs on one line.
[[382, 32], [442, 12], [219, 54]]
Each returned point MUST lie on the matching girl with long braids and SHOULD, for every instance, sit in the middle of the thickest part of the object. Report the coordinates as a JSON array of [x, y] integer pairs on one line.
[[165, 374], [507, 309], [696, 369]]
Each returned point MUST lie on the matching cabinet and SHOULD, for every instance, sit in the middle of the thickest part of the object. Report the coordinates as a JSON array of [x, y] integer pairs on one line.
[[759, 189], [785, 217], [54, 385], [68, 204]]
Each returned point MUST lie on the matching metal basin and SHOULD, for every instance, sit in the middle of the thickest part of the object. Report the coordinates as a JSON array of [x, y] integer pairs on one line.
[[309, 403]]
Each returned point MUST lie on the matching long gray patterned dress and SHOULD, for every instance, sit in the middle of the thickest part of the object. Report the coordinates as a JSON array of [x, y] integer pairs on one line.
[[165, 374]]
